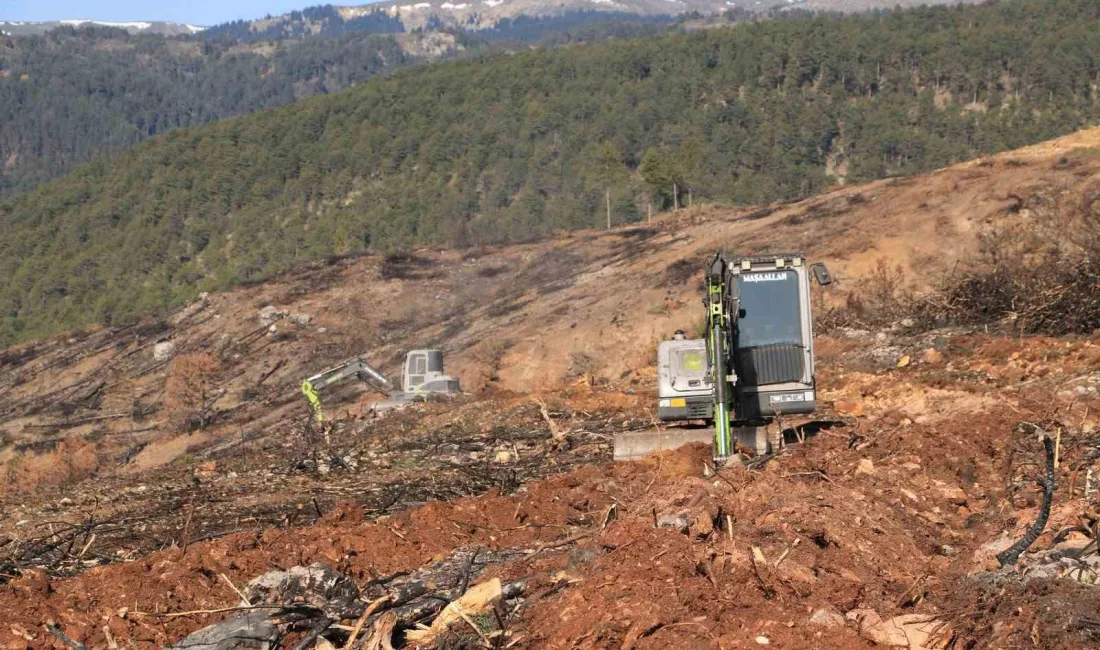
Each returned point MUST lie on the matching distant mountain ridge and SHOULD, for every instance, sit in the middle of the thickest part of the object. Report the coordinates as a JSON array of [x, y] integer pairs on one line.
[[52, 118], [394, 16], [31, 28], [407, 15]]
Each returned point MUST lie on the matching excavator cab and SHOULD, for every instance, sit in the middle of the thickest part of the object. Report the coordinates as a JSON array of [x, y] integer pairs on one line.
[[773, 348], [756, 362], [423, 373], [759, 342]]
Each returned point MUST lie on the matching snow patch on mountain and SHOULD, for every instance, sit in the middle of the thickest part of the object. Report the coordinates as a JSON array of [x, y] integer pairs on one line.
[[24, 28], [139, 25]]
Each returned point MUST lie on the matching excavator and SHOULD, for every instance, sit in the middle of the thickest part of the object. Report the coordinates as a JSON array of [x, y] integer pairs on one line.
[[758, 352], [421, 376]]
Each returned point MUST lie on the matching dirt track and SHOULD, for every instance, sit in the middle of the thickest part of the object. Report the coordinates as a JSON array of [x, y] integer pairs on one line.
[[896, 508]]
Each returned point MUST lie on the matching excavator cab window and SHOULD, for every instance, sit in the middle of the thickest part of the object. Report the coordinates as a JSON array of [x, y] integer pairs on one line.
[[418, 367], [770, 310]]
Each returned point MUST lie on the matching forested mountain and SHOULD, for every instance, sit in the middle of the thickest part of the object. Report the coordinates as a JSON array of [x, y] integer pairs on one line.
[[476, 15], [320, 20], [74, 94], [468, 15], [516, 145]]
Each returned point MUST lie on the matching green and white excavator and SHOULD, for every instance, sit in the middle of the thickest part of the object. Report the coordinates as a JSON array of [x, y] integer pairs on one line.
[[421, 376], [759, 358]]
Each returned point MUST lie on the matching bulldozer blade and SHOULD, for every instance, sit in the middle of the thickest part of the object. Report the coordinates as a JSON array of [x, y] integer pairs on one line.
[[637, 444]]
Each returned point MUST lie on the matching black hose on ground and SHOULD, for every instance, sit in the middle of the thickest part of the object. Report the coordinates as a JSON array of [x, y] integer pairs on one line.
[[1009, 556]]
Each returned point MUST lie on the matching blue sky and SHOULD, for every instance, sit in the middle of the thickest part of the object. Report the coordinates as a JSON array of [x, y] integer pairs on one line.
[[195, 12]]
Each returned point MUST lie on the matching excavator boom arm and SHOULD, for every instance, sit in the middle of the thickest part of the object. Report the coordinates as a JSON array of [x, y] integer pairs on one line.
[[355, 367]]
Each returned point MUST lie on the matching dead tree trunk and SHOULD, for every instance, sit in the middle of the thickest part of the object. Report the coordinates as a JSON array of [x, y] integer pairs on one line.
[[608, 195]]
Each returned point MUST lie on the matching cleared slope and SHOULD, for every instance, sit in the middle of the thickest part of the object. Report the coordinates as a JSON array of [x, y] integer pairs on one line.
[[522, 318]]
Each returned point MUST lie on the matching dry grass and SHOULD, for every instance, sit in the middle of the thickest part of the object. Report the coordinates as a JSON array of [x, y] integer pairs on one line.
[[70, 461], [1037, 271]]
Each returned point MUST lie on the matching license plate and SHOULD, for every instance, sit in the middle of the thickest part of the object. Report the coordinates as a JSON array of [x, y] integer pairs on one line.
[[790, 397], [678, 401]]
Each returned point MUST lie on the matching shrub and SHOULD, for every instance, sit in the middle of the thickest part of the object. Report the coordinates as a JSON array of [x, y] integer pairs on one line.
[[190, 391]]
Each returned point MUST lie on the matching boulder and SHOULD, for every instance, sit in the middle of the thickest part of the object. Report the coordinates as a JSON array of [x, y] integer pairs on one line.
[[954, 495], [986, 555], [270, 313], [911, 631], [163, 351], [680, 521], [886, 354], [826, 617]]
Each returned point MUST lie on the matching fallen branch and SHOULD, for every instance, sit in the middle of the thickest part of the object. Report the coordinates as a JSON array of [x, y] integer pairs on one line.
[[54, 630], [758, 560], [232, 586], [314, 632], [201, 612], [787, 551], [270, 372], [555, 430], [372, 608], [381, 632], [561, 542]]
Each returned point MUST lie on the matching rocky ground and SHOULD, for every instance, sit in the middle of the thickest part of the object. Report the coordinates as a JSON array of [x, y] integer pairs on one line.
[[880, 529]]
